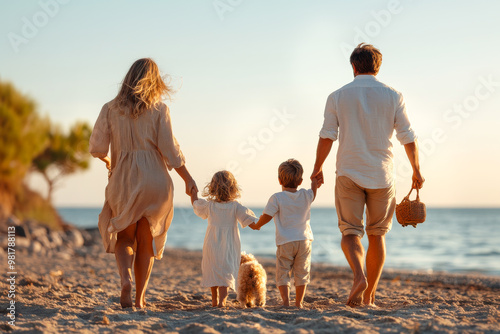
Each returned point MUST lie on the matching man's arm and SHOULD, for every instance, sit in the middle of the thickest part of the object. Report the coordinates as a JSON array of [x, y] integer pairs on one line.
[[412, 153], [263, 220], [324, 148]]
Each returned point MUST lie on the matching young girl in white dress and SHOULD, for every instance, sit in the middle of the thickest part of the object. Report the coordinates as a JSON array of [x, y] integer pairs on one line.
[[221, 248]]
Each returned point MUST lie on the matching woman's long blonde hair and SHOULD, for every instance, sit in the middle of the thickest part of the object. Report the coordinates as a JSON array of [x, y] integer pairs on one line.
[[143, 87], [222, 188]]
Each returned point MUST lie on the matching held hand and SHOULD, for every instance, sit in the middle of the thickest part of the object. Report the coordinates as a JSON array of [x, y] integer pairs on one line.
[[417, 180], [314, 182], [317, 175], [190, 187], [194, 195], [254, 226]]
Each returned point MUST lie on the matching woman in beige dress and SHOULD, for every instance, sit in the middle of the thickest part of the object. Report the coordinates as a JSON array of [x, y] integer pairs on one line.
[[138, 208]]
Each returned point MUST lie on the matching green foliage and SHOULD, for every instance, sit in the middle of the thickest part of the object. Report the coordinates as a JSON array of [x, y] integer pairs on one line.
[[28, 141], [21, 135], [65, 154]]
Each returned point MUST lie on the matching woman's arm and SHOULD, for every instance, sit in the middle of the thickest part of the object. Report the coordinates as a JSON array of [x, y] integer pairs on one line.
[[190, 183]]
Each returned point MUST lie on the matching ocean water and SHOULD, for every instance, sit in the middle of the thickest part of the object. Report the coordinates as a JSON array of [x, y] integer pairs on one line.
[[451, 240]]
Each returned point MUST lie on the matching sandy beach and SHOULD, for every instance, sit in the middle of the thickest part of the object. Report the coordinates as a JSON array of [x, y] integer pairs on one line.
[[76, 290]]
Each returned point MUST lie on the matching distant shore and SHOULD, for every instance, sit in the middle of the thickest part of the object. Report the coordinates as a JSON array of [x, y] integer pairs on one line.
[[77, 289]]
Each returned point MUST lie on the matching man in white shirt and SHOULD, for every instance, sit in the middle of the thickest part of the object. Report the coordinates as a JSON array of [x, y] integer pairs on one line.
[[363, 115]]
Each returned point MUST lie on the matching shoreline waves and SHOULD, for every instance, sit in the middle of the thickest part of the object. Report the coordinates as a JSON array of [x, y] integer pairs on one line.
[[452, 240]]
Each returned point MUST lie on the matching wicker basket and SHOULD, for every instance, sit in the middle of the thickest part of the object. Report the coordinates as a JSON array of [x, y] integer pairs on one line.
[[411, 212]]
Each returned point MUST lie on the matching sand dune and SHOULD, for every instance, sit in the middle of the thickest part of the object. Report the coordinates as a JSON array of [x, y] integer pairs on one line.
[[79, 293]]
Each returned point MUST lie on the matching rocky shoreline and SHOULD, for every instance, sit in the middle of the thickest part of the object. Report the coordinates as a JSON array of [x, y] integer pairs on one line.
[[35, 238]]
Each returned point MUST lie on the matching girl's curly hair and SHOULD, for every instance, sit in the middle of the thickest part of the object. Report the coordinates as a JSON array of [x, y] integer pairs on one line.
[[222, 188]]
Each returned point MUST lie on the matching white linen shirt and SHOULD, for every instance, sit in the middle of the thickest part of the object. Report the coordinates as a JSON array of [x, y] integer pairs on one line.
[[292, 214], [363, 116]]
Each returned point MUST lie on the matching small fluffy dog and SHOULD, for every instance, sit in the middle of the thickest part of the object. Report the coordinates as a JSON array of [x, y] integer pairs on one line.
[[252, 281]]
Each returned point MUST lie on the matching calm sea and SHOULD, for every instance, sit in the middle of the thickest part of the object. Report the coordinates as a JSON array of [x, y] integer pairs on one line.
[[452, 240]]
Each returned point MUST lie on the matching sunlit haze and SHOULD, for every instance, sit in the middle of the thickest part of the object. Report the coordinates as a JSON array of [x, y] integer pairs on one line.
[[252, 78]]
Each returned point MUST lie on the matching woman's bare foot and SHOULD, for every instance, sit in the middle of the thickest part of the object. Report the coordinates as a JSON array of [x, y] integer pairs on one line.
[[126, 295], [356, 296], [353, 304]]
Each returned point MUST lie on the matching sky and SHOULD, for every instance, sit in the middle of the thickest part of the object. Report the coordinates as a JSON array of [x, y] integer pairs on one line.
[[252, 77]]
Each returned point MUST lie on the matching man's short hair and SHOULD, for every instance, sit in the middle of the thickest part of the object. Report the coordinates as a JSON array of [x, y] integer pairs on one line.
[[366, 58], [290, 173]]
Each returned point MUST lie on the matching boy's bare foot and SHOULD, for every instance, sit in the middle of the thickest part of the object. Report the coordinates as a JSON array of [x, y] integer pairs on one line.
[[356, 296], [126, 295], [299, 305], [286, 303]]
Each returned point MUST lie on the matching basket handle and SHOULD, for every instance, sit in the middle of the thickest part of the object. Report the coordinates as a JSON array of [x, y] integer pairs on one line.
[[408, 196]]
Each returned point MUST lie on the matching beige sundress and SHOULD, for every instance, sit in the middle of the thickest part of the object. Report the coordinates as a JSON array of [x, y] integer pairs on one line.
[[142, 150]]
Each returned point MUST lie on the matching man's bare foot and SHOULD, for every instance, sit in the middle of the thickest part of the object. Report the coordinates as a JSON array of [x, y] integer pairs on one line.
[[126, 295], [356, 296], [299, 305]]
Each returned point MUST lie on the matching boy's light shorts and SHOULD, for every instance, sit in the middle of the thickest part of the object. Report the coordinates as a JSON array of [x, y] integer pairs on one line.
[[350, 200], [296, 256]]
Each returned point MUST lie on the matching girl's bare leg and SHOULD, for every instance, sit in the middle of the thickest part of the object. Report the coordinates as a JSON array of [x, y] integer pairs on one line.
[[215, 299], [144, 260], [124, 254], [222, 296]]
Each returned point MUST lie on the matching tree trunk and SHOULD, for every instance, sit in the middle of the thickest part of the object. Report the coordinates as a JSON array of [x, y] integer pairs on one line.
[[50, 185]]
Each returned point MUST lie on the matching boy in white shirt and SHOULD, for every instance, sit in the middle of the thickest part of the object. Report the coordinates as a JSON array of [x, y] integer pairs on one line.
[[291, 210]]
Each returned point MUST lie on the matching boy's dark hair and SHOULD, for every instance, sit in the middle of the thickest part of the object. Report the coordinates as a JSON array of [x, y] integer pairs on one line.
[[366, 59], [290, 173]]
